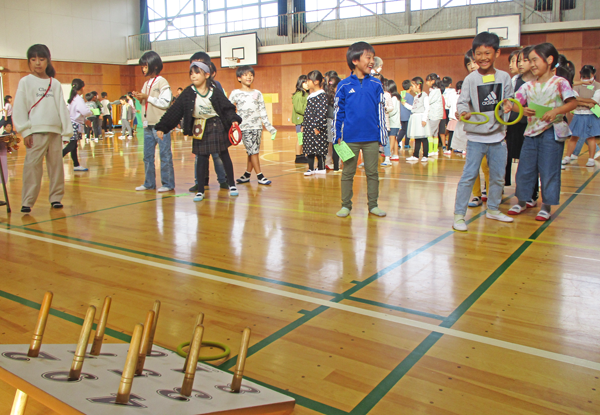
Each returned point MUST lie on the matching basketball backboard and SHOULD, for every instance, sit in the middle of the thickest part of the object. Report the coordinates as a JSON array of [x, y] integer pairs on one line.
[[507, 27], [241, 47]]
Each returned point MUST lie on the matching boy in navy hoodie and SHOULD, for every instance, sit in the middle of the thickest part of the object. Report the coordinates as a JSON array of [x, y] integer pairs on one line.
[[360, 114]]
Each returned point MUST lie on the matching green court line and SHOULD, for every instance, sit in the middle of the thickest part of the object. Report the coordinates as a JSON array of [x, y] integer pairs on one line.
[[367, 404], [109, 208], [394, 307]]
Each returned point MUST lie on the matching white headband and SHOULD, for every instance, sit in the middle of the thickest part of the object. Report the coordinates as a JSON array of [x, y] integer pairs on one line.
[[201, 65]]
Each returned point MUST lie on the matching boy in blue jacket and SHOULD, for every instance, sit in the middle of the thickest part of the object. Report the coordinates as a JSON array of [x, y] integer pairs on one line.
[[360, 114]]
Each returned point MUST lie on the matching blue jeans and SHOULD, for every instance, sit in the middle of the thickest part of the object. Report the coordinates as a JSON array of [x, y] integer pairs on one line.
[[219, 168], [167, 173], [579, 146], [496, 154], [541, 155]]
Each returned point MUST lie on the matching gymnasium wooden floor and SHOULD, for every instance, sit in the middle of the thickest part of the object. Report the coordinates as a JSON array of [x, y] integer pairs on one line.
[[394, 315]]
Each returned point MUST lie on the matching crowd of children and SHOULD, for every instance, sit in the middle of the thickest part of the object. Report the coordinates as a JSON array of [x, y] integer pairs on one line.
[[363, 113]]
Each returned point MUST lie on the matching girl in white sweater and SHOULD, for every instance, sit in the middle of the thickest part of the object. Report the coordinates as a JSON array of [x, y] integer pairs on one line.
[[41, 116], [436, 111]]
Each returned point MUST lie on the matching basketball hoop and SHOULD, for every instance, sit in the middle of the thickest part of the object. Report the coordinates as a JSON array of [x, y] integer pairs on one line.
[[232, 62]]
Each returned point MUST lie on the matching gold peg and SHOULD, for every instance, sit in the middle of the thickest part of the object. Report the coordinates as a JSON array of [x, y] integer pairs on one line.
[[199, 322], [144, 343], [156, 309], [38, 334], [99, 336], [19, 404], [82, 344], [190, 369], [130, 364], [236, 383]]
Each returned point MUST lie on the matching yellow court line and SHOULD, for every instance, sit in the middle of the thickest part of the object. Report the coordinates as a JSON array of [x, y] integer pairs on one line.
[[532, 351]]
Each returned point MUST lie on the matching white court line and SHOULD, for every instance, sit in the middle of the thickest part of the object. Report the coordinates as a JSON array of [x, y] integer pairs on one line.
[[578, 257], [317, 301]]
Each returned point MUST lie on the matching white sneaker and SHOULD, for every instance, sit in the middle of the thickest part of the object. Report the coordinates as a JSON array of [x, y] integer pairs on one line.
[[121, 137], [424, 159], [412, 158], [79, 168], [130, 137], [590, 163], [574, 157], [310, 172], [164, 189], [563, 167], [142, 187], [320, 171], [459, 223], [447, 152], [566, 160], [386, 163], [497, 215]]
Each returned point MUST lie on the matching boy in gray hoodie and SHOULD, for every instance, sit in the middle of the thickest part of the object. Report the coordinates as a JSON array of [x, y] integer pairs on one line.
[[481, 92]]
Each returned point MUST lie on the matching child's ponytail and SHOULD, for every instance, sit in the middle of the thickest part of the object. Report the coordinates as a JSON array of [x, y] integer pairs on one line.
[[76, 85]]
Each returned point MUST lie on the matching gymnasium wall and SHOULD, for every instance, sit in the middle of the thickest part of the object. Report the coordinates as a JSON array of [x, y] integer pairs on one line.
[[75, 30], [278, 72]]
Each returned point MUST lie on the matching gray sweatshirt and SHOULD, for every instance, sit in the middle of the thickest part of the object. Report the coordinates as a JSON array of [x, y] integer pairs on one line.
[[477, 96]]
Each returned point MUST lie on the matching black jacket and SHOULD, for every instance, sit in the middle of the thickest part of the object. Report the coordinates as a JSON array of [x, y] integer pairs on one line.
[[183, 107]]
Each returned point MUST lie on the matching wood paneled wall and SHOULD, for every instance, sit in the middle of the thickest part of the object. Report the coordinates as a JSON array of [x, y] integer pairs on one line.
[[278, 72]]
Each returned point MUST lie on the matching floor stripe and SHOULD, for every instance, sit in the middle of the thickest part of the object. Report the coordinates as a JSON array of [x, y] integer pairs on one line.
[[321, 302]]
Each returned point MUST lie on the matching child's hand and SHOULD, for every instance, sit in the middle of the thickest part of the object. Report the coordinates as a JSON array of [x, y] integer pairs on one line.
[[301, 129], [508, 106], [528, 112], [550, 115], [465, 115], [423, 123], [317, 132], [88, 123], [28, 141], [140, 96], [160, 134]]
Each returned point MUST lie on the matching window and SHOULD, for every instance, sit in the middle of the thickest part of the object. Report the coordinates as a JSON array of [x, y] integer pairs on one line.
[[395, 6]]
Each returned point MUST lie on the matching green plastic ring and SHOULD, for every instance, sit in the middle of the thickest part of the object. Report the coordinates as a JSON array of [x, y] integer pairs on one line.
[[501, 121], [222, 346], [476, 122]]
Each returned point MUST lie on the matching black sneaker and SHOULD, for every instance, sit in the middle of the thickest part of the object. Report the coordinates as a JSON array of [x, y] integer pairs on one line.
[[224, 185], [193, 189], [25, 209], [56, 205]]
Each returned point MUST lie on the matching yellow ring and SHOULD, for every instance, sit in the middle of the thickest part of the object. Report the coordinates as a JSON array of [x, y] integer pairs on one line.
[[476, 122], [501, 121]]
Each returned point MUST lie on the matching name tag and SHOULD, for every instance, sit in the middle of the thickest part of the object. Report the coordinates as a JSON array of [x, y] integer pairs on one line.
[[488, 78]]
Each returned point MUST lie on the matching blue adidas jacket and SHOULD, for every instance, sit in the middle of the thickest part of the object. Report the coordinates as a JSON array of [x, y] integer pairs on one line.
[[360, 111]]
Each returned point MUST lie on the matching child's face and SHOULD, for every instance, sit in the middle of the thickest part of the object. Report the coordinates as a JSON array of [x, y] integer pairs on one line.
[[38, 66], [525, 64], [539, 66], [415, 87], [199, 79], [485, 56], [122, 101], [305, 85], [145, 70], [586, 80], [472, 66], [430, 83], [312, 85], [246, 79], [512, 65], [8, 128], [364, 65]]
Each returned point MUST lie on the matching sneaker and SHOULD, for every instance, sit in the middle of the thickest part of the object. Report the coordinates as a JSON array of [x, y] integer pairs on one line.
[[343, 212], [542, 216], [566, 160], [377, 212], [310, 172], [121, 137], [459, 223], [386, 163], [328, 167], [590, 163], [233, 191], [424, 159], [563, 167], [79, 168], [412, 158], [476, 201], [458, 151], [517, 209], [531, 204], [130, 137], [499, 216], [406, 147], [164, 189], [597, 155], [25, 209], [56, 205], [361, 165], [224, 185], [194, 188], [243, 179], [142, 187], [574, 157], [320, 171], [394, 158], [448, 152], [264, 180], [198, 197]]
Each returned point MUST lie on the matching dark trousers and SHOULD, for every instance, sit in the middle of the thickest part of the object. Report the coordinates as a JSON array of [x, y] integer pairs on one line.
[[107, 123], [450, 134], [336, 160], [72, 148], [402, 134], [320, 161], [202, 168], [418, 142]]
